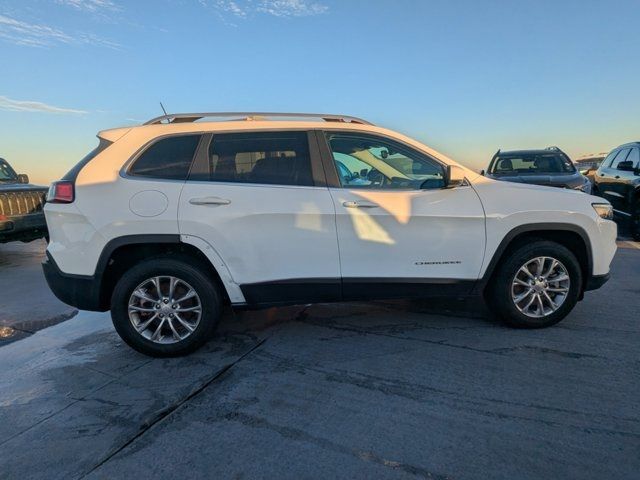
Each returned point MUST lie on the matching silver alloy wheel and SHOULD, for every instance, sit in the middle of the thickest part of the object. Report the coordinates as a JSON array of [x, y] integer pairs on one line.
[[540, 287], [164, 309]]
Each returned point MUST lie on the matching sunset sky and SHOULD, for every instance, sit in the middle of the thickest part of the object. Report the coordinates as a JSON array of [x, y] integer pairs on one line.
[[465, 77]]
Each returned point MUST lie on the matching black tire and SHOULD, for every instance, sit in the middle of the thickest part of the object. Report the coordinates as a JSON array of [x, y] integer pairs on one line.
[[499, 292], [209, 298]]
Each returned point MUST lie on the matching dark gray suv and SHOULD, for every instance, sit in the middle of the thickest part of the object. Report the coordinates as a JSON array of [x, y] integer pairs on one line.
[[618, 180], [550, 166]]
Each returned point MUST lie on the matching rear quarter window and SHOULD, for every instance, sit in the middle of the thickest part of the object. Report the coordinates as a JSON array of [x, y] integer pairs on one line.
[[169, 158]]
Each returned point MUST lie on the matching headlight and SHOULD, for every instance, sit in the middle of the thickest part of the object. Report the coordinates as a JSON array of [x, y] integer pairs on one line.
[[604, 210]]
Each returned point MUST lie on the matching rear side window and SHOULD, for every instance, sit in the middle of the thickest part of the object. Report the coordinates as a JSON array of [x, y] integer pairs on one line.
[[169, 158], [273, 158]]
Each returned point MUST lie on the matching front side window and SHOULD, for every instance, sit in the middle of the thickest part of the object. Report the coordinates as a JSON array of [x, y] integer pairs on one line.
[[169, 158], [366, 161], [535, 163], [621, 157], [272, 158], [634, 158]]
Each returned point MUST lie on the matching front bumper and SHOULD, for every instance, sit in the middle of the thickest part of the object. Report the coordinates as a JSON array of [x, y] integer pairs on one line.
[[24, 227], [80, 291]]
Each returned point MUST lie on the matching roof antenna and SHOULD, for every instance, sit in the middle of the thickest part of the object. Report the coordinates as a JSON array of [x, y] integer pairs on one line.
[[162, 106]]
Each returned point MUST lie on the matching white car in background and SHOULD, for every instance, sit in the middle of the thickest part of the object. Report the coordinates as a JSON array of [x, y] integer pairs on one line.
[[164, 223]]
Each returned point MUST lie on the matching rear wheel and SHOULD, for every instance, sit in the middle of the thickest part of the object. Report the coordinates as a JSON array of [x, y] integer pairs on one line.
[[165, 307], [536, 286]]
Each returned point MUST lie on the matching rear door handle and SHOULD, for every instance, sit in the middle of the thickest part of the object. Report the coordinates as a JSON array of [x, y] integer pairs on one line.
[[359, 205], [617, 176], [209, 201]]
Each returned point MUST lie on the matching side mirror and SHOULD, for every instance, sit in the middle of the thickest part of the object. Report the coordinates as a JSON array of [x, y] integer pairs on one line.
[[626, 166], [454, 176], [23, 178], [482, 172]]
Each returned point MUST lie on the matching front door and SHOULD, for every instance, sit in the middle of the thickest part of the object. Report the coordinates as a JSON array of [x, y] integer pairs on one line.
[[400, 232], [610, 184], [260, 201]]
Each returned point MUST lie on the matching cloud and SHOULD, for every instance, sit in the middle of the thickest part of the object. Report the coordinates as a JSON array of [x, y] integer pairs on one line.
[[34, 35], [291, 8], [30, 34], [276, 8], [10, 105], [90, 5]]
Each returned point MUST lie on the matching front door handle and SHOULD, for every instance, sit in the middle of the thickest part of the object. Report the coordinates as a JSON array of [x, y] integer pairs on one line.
[[617, 176], [359, 205], [209, 201]]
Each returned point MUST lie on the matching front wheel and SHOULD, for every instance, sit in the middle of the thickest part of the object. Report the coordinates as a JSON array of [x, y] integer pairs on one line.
[[165, 307], [536, 286]]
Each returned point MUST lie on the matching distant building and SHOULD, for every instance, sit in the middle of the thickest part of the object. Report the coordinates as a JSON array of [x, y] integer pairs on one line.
[[590, 160]]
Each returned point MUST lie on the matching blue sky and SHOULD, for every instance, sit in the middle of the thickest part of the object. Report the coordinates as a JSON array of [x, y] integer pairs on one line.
[[466, 77]]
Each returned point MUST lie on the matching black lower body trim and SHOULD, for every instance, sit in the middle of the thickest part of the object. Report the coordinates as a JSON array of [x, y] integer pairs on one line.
[[292, 292], [596, 281], [298, 291], [79, 291], [388, 288]]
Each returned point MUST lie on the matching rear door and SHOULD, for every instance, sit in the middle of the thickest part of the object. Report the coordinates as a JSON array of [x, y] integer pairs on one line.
[[400, 233], [260, 200]]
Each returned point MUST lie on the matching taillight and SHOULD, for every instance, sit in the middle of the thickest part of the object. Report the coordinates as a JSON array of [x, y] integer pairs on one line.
[[61, 192]]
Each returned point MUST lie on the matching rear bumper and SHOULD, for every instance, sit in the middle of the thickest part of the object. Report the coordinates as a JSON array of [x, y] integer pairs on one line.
[[80, 291], [26, 227], [596, 281]]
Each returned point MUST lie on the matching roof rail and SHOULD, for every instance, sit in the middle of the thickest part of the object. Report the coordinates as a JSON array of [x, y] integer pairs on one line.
[[248, 116]]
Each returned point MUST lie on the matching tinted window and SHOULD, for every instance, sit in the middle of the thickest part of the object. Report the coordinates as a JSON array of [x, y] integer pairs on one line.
[[365, 161], [169, 158], [607, 161], [634, 157], [274, 158], [7, 173], [532, 163], [620, 157]]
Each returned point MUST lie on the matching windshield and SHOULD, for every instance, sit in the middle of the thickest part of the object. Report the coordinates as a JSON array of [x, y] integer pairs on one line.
[[533, 163], [6, 173]]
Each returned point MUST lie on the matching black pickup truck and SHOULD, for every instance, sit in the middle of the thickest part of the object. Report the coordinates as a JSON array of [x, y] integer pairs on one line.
[[21, 215]]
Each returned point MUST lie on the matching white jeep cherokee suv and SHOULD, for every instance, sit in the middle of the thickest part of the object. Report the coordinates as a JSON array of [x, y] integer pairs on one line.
[[166, 222]]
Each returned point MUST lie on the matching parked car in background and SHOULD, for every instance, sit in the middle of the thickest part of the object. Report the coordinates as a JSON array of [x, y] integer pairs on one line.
[[589, 163], [618, 180], [550, 167], [166, 222], [21, 215]]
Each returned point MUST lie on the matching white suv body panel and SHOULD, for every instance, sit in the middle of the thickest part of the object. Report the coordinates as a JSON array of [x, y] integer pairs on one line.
[[509, 206], [278, 232], [266, 232], [409, 234]]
